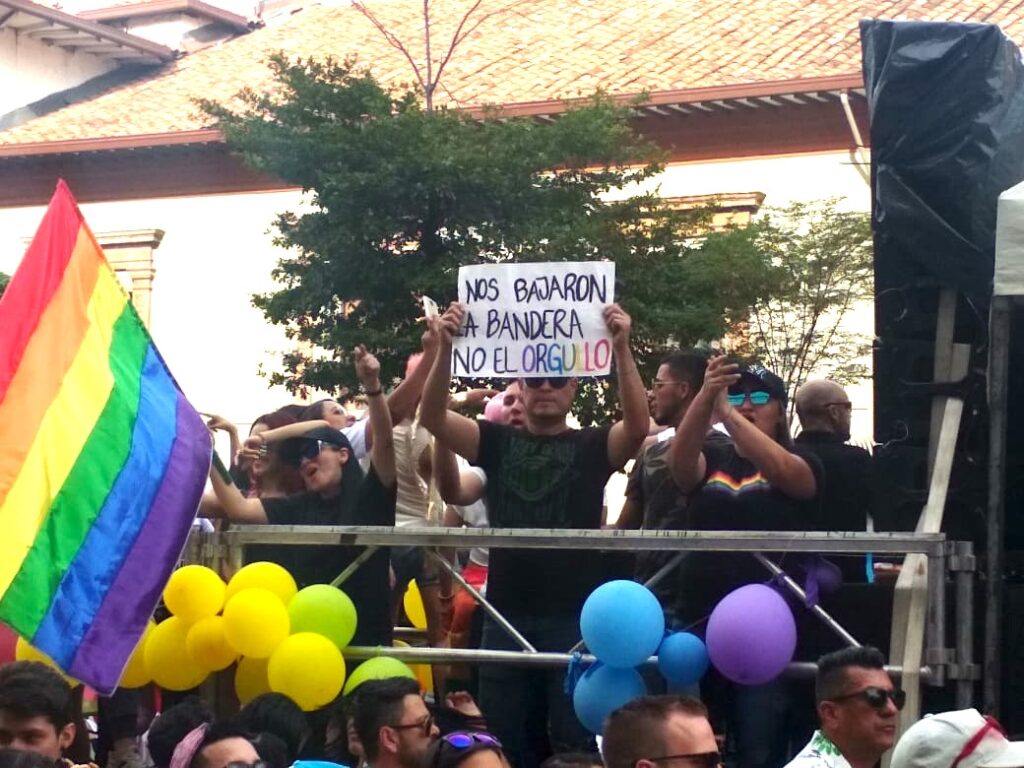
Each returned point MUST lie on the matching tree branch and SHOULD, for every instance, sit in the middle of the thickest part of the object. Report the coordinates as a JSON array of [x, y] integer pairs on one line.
[[459, 35], [392, 40]]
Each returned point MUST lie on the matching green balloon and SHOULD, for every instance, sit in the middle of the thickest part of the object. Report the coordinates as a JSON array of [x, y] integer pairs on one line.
[[379, 668], [325, 610]]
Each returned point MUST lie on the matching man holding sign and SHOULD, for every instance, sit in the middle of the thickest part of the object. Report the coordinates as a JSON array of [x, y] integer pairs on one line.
[[545, 475]]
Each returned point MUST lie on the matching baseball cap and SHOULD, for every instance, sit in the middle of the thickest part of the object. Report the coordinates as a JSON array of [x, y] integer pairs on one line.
[[292, 447], [964, 739], [757, 374]]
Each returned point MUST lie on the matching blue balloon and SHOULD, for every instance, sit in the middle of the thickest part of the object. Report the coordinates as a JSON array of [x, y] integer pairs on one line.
[[622, 623], [603, 689], [682, 658]]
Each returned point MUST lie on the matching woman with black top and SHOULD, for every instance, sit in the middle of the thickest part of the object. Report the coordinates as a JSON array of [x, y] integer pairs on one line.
[[757, 481], [337, 493]]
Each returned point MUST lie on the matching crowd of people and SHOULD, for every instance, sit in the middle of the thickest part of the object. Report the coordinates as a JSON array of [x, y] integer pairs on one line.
[[711, 448]]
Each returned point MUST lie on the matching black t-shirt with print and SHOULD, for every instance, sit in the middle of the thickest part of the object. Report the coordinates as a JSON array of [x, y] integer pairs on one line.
[[734, 496], [543, 481], [368, 586], [652, 489]]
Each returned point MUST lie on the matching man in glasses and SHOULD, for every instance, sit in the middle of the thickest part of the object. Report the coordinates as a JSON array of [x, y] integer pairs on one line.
[[962, 739], [544, 475], [393, 723], [660, 732], [857, 708]]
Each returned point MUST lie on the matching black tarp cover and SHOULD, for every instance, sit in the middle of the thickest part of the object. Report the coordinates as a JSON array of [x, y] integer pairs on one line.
[[947, 137]]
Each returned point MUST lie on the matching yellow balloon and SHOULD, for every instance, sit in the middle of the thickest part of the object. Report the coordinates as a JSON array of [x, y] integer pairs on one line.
[[135, 674], [194, 592], [25, 651], [266, 576], [307, 668], [255, 622], [423, 672], [167, 659], [413, 603], [251, 679], [208, 646]]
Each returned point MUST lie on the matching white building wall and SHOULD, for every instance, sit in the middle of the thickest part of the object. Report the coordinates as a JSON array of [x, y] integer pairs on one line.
[[31, 70]]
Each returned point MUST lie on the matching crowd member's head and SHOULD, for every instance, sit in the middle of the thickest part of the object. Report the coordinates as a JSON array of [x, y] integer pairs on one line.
[[36, 709], [270, 475], [215, 745], [824, 406], [329, 410], [961, 739], [393, 723], [680, 376], [760, 397], [857, 703], [573, 760], [468, 749], [20, 758], [547, 401], [324, 458], [172, 726], [507, 407], [652, 729], [277, 714]]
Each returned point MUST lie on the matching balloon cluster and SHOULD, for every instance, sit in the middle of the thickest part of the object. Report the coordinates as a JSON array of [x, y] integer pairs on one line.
[[283, 639], [623, 625]]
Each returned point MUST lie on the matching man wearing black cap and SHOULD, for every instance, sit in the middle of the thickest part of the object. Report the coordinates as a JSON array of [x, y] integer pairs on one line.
[[337, 493], [758, 482]]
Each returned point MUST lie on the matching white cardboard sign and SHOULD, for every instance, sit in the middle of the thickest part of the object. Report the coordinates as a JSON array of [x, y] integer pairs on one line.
[[534, 320]]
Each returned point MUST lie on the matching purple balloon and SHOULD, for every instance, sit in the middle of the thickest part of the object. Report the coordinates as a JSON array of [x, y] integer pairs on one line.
[[751, 635]]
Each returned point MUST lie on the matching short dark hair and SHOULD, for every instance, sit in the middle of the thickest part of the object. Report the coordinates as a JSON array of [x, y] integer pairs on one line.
[[378, 703], [32, 689], [832, 669], [635, 731], [173, 725], [277, 714], [688, 366], [19, 758], [572, 760], [229, 728]]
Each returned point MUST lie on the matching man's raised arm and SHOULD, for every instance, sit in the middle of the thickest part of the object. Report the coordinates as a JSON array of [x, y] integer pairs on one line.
[[627, 435], [452, 430]]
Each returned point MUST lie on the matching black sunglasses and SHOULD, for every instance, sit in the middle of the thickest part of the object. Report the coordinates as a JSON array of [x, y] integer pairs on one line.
[[876, 697], [701, 759], [306, 449], [555, 382]]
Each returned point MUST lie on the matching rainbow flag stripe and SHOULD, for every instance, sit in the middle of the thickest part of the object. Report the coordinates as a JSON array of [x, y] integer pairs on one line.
[[102, 459]]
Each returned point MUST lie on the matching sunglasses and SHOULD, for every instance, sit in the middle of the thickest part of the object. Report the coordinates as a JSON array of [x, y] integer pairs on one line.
[[555, 382], [700, 759], [877, 697], [240, 764], [756, 398], [426, 725], [307, 449], [466, 739]]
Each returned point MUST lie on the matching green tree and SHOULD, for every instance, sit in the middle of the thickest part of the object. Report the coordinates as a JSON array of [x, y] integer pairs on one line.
[[4, 280], [399, 198], [819, 269]]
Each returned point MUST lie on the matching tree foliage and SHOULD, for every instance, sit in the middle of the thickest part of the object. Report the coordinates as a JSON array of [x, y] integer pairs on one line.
[[4, 279], [819, 268], [399, 198]]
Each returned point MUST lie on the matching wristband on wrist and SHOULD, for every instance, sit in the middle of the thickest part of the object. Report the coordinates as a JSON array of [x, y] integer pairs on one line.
[[374, 393]]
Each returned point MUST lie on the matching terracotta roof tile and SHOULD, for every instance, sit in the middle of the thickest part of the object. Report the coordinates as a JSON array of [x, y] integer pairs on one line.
[[535, 50]]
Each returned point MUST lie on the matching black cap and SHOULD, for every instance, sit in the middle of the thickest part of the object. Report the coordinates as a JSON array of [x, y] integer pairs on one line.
[[757, 374], [291, 447]]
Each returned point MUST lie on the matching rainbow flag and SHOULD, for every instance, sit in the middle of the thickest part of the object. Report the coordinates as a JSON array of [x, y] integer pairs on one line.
[[102, 459]]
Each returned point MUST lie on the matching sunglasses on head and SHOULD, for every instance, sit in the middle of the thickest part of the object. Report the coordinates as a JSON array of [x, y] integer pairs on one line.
[[756, 398], [466, 739], [700, 759], [877, 697], [555, 382], [991, 724]]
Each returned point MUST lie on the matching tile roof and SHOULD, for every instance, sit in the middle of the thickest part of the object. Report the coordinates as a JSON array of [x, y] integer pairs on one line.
[[532, 51]]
